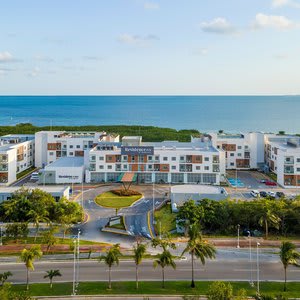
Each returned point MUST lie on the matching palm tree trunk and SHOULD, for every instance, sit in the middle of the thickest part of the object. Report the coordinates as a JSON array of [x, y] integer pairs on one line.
[[193, 282], [163, 277], [267, 229], [27, 281], [109, 277], [284, 288], [51, 283], [136, 277]]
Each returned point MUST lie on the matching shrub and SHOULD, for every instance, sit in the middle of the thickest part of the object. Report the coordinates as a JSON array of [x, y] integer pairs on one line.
[[123, 192]]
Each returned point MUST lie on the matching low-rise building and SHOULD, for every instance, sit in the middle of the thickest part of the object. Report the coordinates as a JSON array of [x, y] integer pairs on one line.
[[162, 162], [243, 150], [16, 155], [57, 192], [282, 156], [52, 145]]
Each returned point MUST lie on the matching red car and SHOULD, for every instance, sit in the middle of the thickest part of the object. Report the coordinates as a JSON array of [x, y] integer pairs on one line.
[[268, 182]]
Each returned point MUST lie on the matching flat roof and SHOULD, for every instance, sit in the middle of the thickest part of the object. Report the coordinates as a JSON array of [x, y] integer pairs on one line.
[[196, 189], [48, 189], [69, 162]]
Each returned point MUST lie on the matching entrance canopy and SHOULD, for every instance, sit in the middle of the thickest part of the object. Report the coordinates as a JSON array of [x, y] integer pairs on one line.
[[127, 177]]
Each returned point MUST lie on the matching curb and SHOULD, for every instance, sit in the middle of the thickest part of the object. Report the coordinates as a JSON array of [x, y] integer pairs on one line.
[[149, 225]]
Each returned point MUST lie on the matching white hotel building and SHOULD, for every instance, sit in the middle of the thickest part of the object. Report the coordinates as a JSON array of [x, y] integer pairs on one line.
[[16, 155], [242, 151], [282, 155], [163, 162]]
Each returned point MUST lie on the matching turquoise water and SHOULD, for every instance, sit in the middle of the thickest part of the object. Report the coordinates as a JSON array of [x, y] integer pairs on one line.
[[231, 113]]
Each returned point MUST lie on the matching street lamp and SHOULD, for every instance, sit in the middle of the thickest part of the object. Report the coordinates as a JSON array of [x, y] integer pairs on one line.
[[1, 235], [74, 269], [238, 236], [78, 257], [250, 258], [153, 208], [257, 265]]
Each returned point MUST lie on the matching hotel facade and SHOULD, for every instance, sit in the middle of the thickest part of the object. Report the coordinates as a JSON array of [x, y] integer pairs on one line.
[[16, 155], [164, 162]]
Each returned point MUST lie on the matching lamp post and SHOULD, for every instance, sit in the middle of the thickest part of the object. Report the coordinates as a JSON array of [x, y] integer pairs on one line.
[[74, 269], [1, 235], [238, 236], [250, 258], [78, 258], [153, 208], [257, 265]]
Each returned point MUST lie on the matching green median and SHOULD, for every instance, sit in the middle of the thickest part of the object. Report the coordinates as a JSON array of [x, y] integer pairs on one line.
[[154, 288], [109, 199]]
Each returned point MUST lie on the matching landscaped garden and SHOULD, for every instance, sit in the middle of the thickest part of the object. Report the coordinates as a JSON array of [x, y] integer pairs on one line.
[[118, 198]]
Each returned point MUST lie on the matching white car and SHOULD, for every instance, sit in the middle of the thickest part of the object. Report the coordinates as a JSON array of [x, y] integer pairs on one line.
[[271, 194], [34, 176], [254, 193]]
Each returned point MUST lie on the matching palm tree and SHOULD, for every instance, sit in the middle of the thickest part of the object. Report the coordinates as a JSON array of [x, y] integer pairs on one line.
[[198, 247], [51, 274], [28, 257], [36, 217], [165, 259], [139, 251], [4, 276], [288, 256], [268, 217], [112, 257]]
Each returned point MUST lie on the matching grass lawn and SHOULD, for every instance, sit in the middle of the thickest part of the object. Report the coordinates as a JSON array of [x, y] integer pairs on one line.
[[109, 199], [165, 219], [171, 288]]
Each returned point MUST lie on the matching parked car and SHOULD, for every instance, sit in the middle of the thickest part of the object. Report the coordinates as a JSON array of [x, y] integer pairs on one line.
[[263, 180], [272, 183], [280, 194], [263, 194], [272, 194], [34, 176], [254, 193]]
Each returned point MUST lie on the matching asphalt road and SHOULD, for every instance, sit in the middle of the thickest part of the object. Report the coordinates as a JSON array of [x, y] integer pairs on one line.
[[90, 270]]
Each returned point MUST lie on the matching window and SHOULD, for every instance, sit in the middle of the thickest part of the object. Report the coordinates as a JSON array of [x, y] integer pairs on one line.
[[125, 167], [71, 146], [298, 169], [93, 158], [101, 167], [101, 157], [71, 153], [173, 167], [206, 168], [231, 154], [218, 147], [149, 157], [232, 164], [125, 157], [298, 160], [78, 146], [239, 154], [132, 158], [173, 158], [198, 168], [150, 167], [109, 167], [206, 158], [239, 147], [51, 153], [156, 157], [182, 158], [165, 158]]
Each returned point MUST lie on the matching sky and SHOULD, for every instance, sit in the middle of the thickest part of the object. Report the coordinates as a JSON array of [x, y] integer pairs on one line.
[[150, 47]]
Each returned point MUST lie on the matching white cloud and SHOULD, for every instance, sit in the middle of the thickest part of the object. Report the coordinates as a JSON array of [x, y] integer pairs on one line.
[[269, 21], [151, 5], [34, 72], [218, 26], [280, 3], [137, 40], [5, 57]]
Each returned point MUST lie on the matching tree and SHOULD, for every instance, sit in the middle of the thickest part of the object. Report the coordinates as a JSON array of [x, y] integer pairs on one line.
[[165, 259], [51, 274], [17, 230], [28, 257], [189, 213], [220, 290], [4, 276], [164, 243], [199, 248], [268, 216], [138, 253], [49, 238], [288, 256], [112, 257], [36, 216]]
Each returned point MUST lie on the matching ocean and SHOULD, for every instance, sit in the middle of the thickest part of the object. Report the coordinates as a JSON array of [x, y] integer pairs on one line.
[[205, 113]]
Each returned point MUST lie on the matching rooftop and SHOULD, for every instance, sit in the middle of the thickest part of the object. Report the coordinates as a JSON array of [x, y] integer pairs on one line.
[[67, 162], [48, 189], [197, 189]]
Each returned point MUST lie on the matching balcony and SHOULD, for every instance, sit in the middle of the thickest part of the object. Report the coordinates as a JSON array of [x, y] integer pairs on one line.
[[289, 170], [3, 168]]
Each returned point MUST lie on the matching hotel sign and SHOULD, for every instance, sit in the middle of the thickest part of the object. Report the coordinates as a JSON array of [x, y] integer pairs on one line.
[[137, 150]]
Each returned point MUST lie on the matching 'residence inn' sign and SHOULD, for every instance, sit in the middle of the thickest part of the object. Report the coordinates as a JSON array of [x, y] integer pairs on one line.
[[137, 150]]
